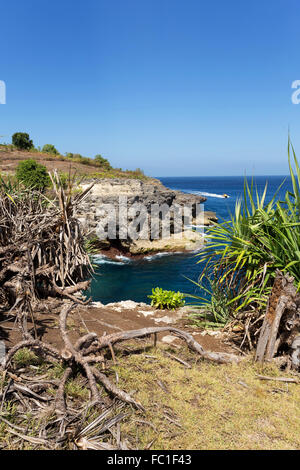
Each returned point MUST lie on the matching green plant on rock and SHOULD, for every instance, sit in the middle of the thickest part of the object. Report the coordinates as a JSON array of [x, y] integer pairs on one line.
[[166, 299], [32, 175]]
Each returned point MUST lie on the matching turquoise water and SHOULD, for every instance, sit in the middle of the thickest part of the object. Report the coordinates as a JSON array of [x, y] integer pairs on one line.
[[126, 279]]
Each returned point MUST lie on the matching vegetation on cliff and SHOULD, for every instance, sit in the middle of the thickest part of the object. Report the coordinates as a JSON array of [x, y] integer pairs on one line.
[[22, 148]]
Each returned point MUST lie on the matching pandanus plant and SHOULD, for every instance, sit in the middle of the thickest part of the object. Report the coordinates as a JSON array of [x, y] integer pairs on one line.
[[243, 253]]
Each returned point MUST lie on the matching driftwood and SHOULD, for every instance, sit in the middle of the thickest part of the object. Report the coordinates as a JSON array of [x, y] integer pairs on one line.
[[219, 357], [279, 379], [281, 325]]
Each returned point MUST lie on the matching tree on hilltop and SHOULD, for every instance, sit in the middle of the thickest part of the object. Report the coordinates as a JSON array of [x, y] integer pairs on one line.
[[22, 141]]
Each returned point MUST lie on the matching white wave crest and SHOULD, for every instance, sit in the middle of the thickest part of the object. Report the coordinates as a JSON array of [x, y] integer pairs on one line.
[[124, 259], [203, 193], [161, 254], [102, 259]]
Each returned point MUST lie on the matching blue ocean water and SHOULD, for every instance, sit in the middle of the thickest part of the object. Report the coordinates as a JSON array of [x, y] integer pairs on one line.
[[134, 279]]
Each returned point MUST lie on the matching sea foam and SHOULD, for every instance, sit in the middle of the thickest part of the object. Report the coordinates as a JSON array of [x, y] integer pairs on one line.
[[203, 193]]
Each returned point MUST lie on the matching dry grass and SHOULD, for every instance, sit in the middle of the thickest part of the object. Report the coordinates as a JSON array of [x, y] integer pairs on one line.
[[84, 166], [209, 406], [32, 423]]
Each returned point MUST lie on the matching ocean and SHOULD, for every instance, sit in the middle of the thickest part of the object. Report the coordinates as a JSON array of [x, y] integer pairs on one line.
[[126, 279]]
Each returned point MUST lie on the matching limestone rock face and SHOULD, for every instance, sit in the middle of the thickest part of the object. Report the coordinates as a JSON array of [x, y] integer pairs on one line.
[[188, 241], [146, 192], [206, 218]]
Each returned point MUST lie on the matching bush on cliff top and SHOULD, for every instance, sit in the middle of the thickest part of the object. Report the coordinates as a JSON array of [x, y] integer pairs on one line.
[[22, 141], [49, 148], [103, 162], [32, 175]]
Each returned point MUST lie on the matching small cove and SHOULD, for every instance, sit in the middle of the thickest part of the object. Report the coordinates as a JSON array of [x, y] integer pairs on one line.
[[125, 278]]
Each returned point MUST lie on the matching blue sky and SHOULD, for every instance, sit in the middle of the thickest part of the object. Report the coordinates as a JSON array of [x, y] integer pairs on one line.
[[176, 87]]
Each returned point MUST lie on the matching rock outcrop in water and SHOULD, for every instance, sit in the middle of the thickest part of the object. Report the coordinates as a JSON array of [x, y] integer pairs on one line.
[[148, 193]]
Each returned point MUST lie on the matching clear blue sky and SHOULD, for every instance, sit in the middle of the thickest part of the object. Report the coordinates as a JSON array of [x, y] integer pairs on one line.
[[176, 87]]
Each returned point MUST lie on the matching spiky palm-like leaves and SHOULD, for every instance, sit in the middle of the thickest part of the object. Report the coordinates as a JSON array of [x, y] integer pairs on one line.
[[243, 253]]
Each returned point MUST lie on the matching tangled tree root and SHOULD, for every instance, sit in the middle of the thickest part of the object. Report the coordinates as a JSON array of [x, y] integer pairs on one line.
[[84, 355]]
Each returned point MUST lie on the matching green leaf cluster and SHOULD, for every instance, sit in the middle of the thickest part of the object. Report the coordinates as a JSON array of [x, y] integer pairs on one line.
[[32, 175], [166, 299]]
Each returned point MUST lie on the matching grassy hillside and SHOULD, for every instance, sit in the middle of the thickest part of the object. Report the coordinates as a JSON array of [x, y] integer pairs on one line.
[[10, 157]]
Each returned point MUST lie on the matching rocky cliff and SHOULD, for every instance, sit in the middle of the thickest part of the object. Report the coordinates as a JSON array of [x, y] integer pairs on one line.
[[148, 193]]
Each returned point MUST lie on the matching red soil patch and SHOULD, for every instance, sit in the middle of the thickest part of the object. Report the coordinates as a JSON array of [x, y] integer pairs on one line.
[[103, 320], [10, 159]]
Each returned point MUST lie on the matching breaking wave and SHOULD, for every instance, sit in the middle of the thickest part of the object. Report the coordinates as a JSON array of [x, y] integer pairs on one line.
[[102, 259], [203, 193], [161, 254]]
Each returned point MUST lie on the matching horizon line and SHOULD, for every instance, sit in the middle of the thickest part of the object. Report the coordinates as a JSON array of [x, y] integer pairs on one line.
[[220, 176]]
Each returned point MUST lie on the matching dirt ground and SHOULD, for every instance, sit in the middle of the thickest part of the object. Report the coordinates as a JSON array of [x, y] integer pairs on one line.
[[109, 319], [189, 403]]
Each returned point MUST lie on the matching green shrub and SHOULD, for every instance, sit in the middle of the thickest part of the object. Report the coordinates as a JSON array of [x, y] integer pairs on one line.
[[166, 299], [76, 157], [49, 148], [32, 174], [83, 160], [22, 141], [103, 162]]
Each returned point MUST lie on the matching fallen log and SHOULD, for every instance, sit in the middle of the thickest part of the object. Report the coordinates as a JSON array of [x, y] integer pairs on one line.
[[219, 357], [279, 379]]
